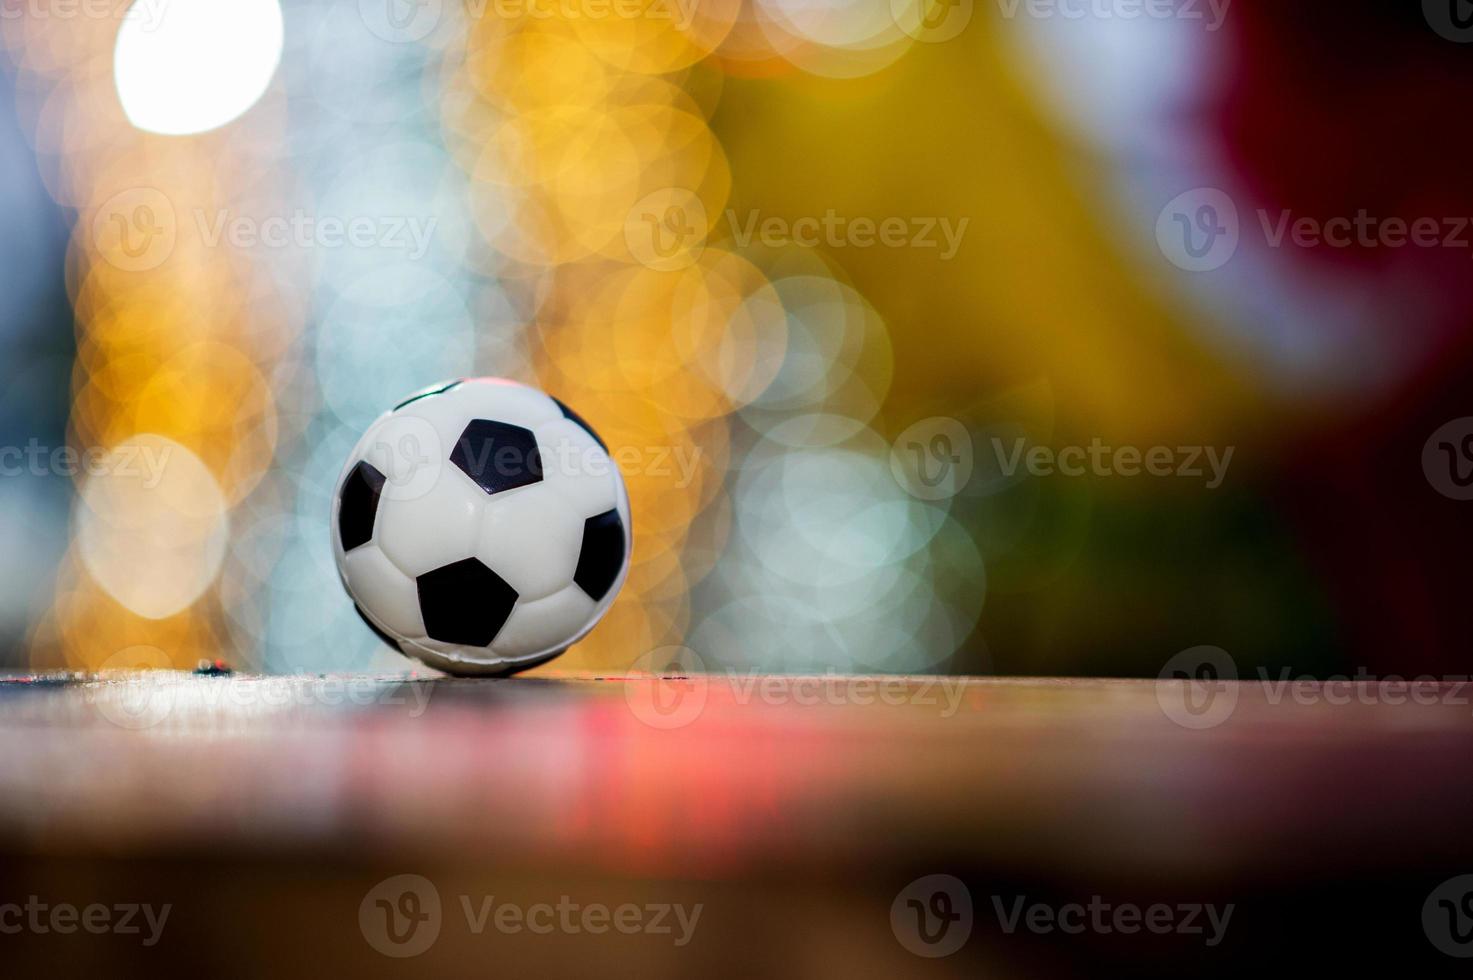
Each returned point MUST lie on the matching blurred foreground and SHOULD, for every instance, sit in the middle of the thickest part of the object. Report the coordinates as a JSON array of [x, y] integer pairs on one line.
[[715, 824]]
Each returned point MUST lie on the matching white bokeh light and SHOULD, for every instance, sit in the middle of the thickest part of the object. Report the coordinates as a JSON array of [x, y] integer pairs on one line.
[[199, 65]]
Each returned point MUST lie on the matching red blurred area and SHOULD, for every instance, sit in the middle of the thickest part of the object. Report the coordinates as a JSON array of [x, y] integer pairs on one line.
[[1335, 110]]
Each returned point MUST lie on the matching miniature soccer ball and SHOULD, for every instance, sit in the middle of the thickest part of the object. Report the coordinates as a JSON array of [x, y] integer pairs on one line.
[[481, 527]]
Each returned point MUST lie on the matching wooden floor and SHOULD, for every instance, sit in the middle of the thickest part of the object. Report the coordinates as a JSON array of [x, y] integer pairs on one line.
[[793, 810]]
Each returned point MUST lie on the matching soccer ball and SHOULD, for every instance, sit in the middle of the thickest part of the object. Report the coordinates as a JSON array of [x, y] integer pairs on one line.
[[481, 527]]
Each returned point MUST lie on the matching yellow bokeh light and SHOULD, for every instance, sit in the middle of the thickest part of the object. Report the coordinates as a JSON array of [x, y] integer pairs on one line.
[[151, 525]]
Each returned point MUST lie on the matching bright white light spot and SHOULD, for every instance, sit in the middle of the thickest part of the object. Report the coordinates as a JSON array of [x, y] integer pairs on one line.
[[194, 65]]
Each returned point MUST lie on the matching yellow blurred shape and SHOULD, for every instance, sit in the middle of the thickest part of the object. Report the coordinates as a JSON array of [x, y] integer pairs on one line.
[[212, 398], [537, 68], [151, 525], [656, 36]]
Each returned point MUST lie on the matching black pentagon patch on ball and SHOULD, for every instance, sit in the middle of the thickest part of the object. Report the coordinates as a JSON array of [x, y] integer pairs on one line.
[[358, 504], [376, 631], [602, 556], [428, 392], [498, 456], [577, 420], [464, 602]]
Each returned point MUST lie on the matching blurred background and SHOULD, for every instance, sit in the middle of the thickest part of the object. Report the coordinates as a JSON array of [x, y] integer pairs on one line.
[[823, 271]]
